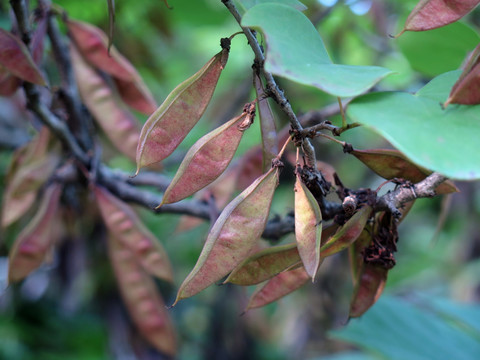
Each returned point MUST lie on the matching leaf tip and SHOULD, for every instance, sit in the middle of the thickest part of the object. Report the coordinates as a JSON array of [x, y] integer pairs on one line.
[[398, 35]]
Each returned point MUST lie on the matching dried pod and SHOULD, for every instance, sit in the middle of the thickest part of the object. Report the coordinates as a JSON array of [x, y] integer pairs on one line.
[[163, 131], [34, 243], [233, 236], [126, 227]]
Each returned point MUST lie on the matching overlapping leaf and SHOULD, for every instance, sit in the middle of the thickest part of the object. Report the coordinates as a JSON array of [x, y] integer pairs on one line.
[[250, 167], [93, 45], [278, 287], [431, 14], [267, 125], [117, 122], [233, 235], [296, 51], [308, 227], [125, 227], [141, 297], [34, 243], [434, 138], [207, 159], [15, 57], [31, 166], [170, 123], [391, 164]]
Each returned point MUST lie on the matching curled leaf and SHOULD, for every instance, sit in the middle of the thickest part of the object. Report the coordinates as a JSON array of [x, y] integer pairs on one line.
[[171, 122], [348, 233], [16, 58], [264, 264], [126, 228], [207, 159], [233, 236], [92, 44], [278, 287], [432, 14], [31, 167], [391, 164], [267, 125], [117, 122], [308, 227], [144, 303], [33, 244], [369, 286]]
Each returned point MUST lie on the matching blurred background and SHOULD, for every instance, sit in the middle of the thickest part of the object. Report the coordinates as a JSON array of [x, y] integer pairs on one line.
[[70, 309]]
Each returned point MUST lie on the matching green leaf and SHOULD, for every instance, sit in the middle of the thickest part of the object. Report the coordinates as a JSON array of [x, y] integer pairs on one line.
[[436, 139], [437, 51], [296, 51], [244, 5]]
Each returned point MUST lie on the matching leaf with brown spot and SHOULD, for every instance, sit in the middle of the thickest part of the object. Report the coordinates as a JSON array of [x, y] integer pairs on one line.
[[308, 227], [432, 14], [278, 287], [16, 58], [118, 124], [126, 227], [30, 168], [141, 297], [267, 125], [391, 164], [184, 106], [348, 233], [33, 244], [233, 236], [466, 90], [92, 44], [206, 160]]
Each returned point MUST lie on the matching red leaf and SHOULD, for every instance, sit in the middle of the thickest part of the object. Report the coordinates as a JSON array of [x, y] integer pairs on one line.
[[34, 243], [233, 236], [16, 58], [432, 14]]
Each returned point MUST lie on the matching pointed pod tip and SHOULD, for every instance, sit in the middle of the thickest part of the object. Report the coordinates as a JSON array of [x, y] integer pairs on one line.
[[159, 206], [398, 35]]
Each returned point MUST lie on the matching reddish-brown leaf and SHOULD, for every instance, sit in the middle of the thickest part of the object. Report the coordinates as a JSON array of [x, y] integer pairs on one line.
[[308, 227], [126, 227], [432, 14], [466, 90], [9, 83], [348, 233], [391, 164], [278, 287], [369, 286], [116, 121], [33, 244], [207, 159], [184, 106], [233, 236], [141, 297], [93, 46], [250, 167], [31, 166], [264, 264], [16, 58], [267, 125]]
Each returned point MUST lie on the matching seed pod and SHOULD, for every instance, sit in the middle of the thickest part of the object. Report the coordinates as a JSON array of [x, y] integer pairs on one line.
[[233, 236], [348, 233], [267, 125], [369, 286], [207, 159], [141, 297], [118, 124], [172, 121], [432, 14], [16, 58], [92, 44], [308, 227], [250, 167], [278, 287], [34, 243], [126, 227], [391, 164]]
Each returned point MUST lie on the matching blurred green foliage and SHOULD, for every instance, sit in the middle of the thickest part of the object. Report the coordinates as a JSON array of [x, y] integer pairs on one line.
[[48, 318]]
